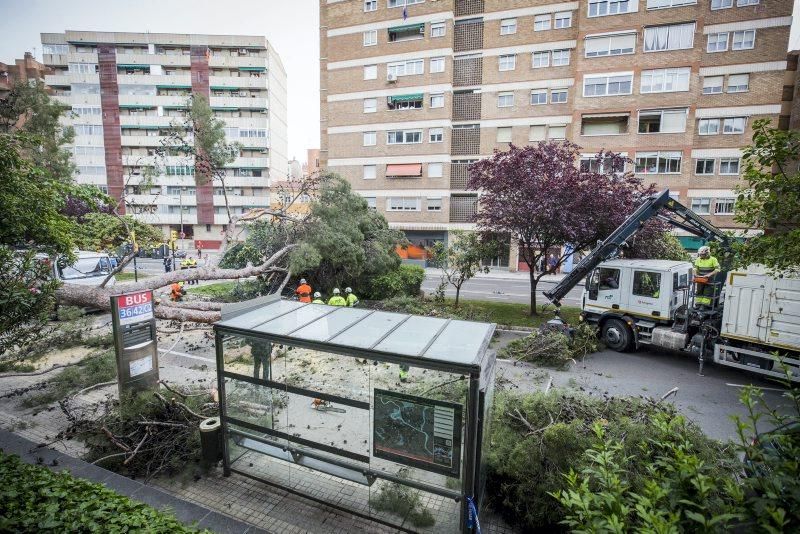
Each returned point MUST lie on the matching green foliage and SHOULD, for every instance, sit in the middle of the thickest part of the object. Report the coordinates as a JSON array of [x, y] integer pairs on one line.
[[27, 296], [771, 198], [405, 280], [231, 291], [537, 438], [96, 368], [38, 500], [102, 231], [343, 242], [461, 259], [547, 349], [662, 245], [404, 502]]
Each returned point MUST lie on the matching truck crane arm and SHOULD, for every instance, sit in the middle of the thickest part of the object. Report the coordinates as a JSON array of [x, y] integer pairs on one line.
[[680, 216]]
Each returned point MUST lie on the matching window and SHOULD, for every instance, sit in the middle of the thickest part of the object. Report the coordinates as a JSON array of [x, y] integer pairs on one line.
[[508, 26], [254, 132], [538, 96], [563, 20], [402, 204], [370, 172], [437, 64], [610, 45], [83, 68], [403, 137], [558, 96], [507, 62], [88, 150], [742, 3], [708, 126], [370, 5], [607, 85], [435, 135], [505, 100], [704, 166], [743, 40], [717, 42], [541, 59], [370, 37], [724, 206], [560, 58], [661, 4], [662, 121], [712, 85], [179, 170], [401, 3], [670, 37], [438, 29], [729, 166], [407, 68], [658, 163], [87, 111], [88, 129], [55, 49], [701, 206], [541, 22], [370, 105], [738, 83], [665, 80], [437, 100], [370, 72], [370, 138], [721, 4], [604, 124], [371, 203], [646, 284], [734, 125], [95, 170], [601, 8], [435, 170], [538, 132], [608, 278], [504, 134], [557, 131], [434, 204]]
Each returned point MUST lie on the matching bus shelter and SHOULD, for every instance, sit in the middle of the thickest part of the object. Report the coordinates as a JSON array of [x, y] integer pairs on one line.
[[380, 414]]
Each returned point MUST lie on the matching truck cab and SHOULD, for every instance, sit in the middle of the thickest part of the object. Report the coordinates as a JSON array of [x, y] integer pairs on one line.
[[627, 299]]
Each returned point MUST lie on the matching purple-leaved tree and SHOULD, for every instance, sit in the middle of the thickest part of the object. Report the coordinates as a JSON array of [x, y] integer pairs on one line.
[[542, 197]]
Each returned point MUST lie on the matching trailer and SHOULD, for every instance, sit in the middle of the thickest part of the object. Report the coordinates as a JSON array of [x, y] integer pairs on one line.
[[752, 323]]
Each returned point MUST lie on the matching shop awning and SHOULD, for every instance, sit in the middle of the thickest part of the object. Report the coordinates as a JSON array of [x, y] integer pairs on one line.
[[407, 27], [406, 98], [404, 169], [256, 69]]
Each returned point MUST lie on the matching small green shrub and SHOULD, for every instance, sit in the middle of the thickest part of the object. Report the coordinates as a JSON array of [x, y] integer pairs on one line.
[[97, 368], [38, 500], [404, 502], [406, 280]]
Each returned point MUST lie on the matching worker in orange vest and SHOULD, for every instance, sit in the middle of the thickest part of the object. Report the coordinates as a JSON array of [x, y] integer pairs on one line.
[[176, 291], [304, 291]]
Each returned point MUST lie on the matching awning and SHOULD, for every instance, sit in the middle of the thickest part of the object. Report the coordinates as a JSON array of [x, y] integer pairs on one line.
[[406, 98], [404, 169], [407, 27], [176, 86], [140, 127], [607, 115], [135, 106], [183, 106], [222, 108], [223, 88], [257, 69], [123, 66]]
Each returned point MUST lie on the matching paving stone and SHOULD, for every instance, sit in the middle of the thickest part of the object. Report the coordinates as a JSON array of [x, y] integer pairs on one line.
[[223, 524]]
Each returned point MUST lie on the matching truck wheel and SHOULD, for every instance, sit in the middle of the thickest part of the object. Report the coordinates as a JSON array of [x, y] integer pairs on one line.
[[617, 335]]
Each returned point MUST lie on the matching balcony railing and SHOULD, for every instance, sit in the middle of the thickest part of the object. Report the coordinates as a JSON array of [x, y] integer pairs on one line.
[[466, 106], [465, 141], [459, 175], [463, 208], [468, 7]]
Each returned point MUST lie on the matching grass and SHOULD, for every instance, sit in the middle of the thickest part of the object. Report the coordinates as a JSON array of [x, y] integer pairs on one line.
[[216, 290], [129, 277], [96, 368], [515, 314]]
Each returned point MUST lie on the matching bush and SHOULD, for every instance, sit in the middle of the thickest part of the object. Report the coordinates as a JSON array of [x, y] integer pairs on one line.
[[406, 280], [38, 500], [537, 438], [404, 502]]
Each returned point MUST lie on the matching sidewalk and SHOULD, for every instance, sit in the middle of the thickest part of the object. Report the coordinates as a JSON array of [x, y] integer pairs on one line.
[[500, 273]]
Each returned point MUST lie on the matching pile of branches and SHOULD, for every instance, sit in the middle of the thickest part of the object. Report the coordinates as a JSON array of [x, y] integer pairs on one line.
[[142, 436], [553, 349]]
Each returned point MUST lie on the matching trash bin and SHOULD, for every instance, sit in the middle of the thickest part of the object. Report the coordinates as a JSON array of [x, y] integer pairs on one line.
[[211, 440]]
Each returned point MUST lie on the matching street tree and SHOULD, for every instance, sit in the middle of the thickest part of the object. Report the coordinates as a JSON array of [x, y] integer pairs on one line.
[[460, 260], [545, 200], [101, 231], [770, 198]]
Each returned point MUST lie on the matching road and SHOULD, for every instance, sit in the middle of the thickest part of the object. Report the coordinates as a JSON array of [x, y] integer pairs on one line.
[[502, 289]]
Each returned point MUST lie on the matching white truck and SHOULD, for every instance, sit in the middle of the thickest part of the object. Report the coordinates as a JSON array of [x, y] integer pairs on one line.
[[753, 321]]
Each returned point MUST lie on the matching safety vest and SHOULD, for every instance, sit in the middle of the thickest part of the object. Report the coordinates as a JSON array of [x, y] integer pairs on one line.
[[337, 300], [304, 292], [317, 301], [706, 266], [351, 300]]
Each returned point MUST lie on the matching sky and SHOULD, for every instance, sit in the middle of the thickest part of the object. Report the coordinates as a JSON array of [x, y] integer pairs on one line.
[[292, 27]]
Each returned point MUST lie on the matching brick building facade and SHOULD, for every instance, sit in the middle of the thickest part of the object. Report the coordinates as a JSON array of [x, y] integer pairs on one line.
[[412, 91]]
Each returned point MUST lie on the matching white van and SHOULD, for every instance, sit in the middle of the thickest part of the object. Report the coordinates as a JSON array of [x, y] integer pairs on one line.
[[89, 269]]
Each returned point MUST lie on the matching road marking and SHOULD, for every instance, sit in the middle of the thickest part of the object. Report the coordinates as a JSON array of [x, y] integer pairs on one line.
[[192, 356]]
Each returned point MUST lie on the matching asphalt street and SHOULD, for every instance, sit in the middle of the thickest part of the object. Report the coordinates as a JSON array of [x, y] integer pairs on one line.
[[502, 289]]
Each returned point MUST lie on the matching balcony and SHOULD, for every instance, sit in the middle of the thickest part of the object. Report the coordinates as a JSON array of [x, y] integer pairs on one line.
[[148, 120], [55, 59], [463, 208], [468, 7], [239, 200], [153, 100], [238, 102], [244, 82], [468, 35], [144, 140], [466, 106], [465, 141], [237, 61], [153, 59], [459, 175], [467, 71], [249, 163], [69, 79], [162, 80]]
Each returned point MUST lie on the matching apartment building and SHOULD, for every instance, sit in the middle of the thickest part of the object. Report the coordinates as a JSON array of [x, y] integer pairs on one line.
[[127, 89], [413, 91], [26, 69]]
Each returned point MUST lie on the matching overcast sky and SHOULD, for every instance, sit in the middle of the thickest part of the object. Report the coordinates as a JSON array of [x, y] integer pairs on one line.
[[290, 25]]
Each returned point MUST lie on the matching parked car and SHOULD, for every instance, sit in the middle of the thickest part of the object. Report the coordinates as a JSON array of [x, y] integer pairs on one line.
[[180, 253], [89, 269]]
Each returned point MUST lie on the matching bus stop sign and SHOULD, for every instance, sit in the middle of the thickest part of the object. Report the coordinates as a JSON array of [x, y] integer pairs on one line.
[[135, 341]]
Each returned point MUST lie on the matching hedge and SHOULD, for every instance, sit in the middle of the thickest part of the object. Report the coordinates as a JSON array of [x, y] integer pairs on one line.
[[406, 280], [35, 499]]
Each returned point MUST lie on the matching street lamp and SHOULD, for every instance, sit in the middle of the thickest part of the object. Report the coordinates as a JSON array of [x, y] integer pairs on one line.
[[180, 199]]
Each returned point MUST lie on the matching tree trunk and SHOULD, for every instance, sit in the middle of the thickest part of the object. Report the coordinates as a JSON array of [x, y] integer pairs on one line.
[[458, 292], [534, 283]]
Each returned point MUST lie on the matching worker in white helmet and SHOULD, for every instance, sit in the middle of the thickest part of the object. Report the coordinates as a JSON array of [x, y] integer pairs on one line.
[[350, 297], [317, 298], [303, 291], [337, 299]]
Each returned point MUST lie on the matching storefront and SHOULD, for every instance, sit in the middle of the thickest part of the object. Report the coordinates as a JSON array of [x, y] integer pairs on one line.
[[375, 413]]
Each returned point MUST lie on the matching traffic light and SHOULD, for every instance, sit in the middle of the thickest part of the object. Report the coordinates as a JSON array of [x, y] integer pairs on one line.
[[173, 235]]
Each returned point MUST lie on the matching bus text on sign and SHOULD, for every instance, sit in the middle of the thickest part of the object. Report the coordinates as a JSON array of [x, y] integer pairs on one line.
[[135, 307]]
